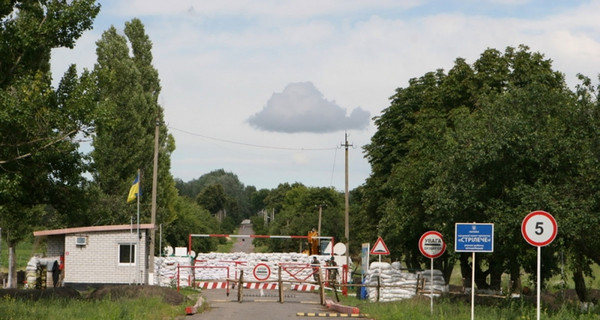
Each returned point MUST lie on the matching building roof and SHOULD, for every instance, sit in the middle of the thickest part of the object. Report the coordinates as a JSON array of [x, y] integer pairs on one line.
[[91, 229]]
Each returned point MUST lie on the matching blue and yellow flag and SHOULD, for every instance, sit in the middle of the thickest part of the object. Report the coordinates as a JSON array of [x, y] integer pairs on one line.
[[135, 190]]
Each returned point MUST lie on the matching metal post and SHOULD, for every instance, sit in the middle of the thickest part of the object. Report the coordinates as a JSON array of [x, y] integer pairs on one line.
[[160, 241], [431, 286], [150, 266], [473, 287], [539, 279], [280, 282]]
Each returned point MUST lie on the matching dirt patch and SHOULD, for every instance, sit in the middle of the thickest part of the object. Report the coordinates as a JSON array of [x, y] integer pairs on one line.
[[117, 292], [50, 293]]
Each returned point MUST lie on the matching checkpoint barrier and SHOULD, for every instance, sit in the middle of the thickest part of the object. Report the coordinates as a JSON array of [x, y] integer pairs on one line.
[[205, 284], [382, 283], [241, 284], [299, 283]]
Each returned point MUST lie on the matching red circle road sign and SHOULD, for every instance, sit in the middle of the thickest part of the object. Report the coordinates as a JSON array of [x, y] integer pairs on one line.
[[262, 271], [539, 228], [432, 244]]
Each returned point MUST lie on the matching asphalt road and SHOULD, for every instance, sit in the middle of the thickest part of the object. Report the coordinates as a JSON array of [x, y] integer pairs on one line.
[[244, 244], [256, 304]]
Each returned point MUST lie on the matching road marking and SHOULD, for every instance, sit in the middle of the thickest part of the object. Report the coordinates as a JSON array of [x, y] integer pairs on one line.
[[331, 315]]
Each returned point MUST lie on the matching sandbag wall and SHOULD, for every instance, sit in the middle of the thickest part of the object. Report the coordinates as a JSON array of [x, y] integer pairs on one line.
[[34, 269], [433, 282], [397, 284], [215, 267]]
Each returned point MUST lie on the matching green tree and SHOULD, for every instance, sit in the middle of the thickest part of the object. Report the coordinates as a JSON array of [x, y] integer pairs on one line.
[[191, 218], [238, 205], [487, 143], [213, 199], [300, 213], [39, 162], [128, 90]]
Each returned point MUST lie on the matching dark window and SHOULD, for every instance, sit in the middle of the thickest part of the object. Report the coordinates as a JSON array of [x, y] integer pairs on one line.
[[127, 253]]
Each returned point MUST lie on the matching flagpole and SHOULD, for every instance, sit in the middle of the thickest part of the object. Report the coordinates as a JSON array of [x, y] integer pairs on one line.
[[132, 279], [138, 226]]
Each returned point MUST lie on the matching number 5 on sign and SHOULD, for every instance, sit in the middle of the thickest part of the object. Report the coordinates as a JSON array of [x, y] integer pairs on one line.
[[539, 228]]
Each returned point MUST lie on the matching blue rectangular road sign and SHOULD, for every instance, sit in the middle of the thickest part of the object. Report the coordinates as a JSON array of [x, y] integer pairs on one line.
[[474, 237]]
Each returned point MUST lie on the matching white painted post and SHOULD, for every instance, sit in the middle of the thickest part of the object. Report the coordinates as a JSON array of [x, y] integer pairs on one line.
[[431, 286], [473, 287], [539, 277]]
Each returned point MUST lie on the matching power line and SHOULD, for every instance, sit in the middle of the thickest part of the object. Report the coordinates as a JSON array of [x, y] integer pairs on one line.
[[250, 144]]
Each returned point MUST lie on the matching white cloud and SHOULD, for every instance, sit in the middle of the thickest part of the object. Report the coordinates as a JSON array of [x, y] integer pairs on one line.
[[302, 108]]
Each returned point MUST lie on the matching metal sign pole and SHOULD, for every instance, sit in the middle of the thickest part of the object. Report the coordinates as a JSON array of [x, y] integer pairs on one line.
[[539, 277], [431, 286], [473, 287]]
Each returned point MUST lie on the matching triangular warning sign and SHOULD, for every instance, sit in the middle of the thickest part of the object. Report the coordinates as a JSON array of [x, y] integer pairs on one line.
[[380, 247]]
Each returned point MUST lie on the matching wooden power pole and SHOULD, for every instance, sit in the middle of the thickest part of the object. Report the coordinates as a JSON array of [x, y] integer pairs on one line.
[[153, 209], [347, 204]]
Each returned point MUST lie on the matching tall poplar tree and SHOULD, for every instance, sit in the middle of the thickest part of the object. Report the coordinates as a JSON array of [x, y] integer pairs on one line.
[[128, 88]]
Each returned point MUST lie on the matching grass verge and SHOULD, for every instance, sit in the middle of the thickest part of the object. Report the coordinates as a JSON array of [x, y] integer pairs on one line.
[[142, 308], [449, 308]]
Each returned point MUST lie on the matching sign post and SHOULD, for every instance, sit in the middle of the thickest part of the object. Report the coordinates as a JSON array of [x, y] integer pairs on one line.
[[539, 229], [364, 252], [473, 237], [432, 245], [379, 248]]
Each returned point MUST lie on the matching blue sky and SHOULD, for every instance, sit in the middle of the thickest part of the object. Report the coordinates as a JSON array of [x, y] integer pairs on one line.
[[265, 88]]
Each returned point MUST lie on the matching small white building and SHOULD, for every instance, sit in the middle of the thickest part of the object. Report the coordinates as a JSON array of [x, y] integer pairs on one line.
[[100, 255]]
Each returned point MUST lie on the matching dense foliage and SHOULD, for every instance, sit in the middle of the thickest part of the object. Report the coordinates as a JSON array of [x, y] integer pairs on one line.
[[488, 142], [40, 165]]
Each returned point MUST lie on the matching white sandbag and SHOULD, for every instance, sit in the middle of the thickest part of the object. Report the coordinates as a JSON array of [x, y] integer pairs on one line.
[[380, 265]]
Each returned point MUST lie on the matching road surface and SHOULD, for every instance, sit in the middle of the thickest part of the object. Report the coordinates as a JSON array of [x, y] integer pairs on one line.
[[256, 304]]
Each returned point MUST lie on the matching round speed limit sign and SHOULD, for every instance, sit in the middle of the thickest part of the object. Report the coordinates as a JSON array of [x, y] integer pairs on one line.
[[539, 228]]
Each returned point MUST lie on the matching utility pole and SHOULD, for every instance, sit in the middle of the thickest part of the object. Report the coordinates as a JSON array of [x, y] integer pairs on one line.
[[153, 209], [320, 214], [347, 204]]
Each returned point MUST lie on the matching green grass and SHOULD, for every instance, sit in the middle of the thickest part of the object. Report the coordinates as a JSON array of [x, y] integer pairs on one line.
[[445, 308], [227, 246], [148, 308]]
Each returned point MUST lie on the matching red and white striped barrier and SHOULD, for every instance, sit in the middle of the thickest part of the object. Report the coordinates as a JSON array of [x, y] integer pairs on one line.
[[211, 285], [305, 287], [265, 286]]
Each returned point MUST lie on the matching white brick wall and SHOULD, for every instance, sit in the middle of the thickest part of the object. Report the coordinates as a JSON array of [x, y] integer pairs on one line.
[[98, 261], [55, 245]]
